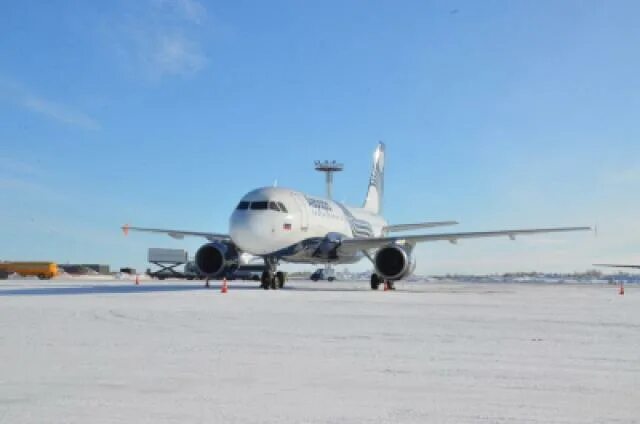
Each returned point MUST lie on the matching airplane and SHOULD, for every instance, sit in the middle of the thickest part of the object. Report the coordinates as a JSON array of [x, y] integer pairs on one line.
[[280, 224]]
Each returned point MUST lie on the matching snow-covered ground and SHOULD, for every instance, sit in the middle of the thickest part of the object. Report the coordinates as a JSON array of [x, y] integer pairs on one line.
[[173, 352]]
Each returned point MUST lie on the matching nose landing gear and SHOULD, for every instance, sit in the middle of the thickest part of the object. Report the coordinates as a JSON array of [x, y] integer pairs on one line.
[[272, 279]]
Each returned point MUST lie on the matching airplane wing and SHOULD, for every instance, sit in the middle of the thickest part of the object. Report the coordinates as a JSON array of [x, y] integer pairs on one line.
[[363, 243], [618, 266], [176, 234], [407, 227]]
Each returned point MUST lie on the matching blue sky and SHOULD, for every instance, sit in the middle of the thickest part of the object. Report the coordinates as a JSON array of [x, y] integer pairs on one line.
[[499, 114]]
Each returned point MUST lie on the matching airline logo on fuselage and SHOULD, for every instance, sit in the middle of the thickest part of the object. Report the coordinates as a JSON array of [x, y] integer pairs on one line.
[[318, 203]]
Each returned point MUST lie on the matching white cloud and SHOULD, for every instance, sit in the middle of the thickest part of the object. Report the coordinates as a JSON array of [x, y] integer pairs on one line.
[[190, 10], [21, 96], [161, 40], [59, 112], [177, 55], [160, 54]]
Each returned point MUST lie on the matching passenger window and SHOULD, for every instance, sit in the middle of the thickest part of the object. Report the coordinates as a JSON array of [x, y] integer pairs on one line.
[[243, 205], [259, 205], [273, 206], [282, 208]]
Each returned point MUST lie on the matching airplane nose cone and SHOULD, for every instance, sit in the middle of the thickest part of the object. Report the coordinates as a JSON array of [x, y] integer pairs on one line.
[[252, 232]]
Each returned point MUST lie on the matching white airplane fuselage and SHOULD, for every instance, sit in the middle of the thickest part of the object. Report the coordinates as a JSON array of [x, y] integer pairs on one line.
[[292, 233]]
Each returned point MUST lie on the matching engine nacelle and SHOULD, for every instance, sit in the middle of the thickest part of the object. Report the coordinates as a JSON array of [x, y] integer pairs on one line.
[[393, 262], [217, 258]]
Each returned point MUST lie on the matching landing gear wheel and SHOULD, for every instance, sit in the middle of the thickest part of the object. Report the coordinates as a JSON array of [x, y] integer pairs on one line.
[[375, 281], [270, 278], [281, 277], [265, 280]]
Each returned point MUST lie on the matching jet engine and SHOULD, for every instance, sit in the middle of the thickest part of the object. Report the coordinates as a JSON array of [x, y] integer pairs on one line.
[[217, 258], [394, 262]]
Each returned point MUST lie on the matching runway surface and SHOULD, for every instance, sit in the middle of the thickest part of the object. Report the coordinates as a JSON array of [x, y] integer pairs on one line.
[[174, 352]]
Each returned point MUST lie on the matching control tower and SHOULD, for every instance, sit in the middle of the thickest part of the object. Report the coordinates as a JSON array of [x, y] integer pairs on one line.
[[329, 167]]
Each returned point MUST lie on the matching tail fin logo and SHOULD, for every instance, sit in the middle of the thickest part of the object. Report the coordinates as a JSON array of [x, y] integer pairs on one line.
[[377, 173], [373, 201]]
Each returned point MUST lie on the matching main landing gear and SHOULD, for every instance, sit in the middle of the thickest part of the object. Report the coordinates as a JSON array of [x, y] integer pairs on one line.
[[376, 281], [272, 279]]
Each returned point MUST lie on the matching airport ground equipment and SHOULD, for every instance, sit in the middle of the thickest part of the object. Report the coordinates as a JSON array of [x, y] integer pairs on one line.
[[167, 260], [191, 271], [248, 272], [327, 273], [42, 270], [85, 269]]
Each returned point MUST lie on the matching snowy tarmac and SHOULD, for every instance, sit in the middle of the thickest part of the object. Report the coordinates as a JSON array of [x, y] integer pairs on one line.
[[174, 352]]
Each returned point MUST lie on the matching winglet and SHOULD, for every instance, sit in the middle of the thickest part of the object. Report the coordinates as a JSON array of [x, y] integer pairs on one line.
[[125, 229]]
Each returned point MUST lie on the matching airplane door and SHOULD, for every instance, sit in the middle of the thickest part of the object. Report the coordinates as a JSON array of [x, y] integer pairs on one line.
[[303, 207]]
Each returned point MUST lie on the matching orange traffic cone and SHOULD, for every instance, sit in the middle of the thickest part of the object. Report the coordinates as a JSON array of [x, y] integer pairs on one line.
[[224, 288], [386, 286], [621, 292], [137, 280]]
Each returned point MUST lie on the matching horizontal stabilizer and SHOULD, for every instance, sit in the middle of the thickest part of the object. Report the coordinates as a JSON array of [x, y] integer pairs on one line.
[[408, 227]]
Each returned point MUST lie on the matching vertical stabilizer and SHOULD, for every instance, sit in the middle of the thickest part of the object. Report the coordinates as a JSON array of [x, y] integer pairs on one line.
[[375, 193]]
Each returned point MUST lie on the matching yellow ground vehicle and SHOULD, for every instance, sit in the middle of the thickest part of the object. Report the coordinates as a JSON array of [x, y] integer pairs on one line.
[[42, 270]]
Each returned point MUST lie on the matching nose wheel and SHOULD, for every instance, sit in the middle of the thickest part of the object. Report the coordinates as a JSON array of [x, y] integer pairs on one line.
[[272, 279]]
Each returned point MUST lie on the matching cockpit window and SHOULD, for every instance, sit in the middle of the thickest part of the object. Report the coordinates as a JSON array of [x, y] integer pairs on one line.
[[259, 205], [263, 205]]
